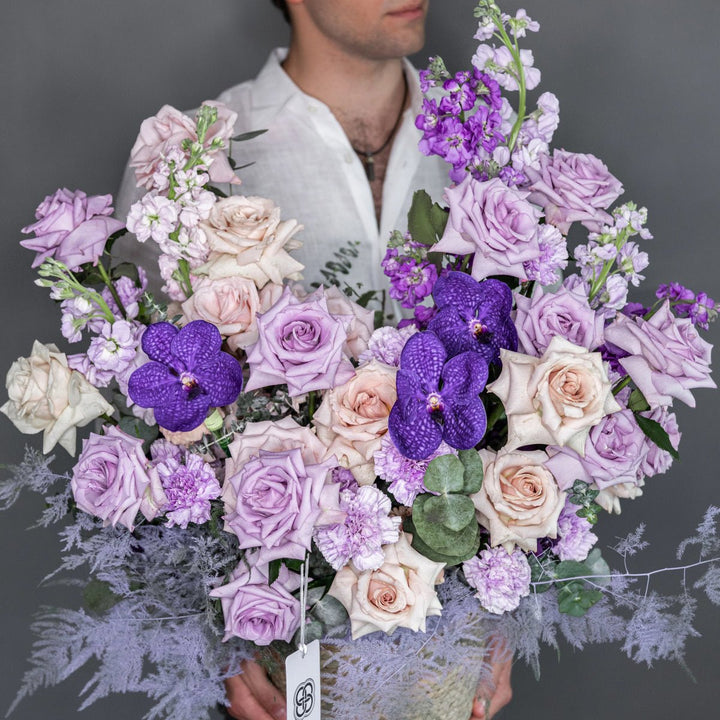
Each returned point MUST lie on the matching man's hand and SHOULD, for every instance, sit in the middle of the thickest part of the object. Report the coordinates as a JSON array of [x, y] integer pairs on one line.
[[252, 696], [498, 693]]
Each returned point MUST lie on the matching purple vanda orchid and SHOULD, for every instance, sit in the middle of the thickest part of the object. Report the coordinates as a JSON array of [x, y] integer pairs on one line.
[[187, 374], [438, 399], [473, 316]]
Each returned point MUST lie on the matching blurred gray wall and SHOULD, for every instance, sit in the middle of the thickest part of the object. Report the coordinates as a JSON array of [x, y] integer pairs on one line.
[[637, 83]]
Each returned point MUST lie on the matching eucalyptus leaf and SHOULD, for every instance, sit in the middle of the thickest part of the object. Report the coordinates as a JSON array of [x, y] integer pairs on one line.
[[460, 544], [598, 567], [473, 474], [575, 598], [655, 431], [98, 598], [329, 611], [445, 474], [423, 548], [454, 512]]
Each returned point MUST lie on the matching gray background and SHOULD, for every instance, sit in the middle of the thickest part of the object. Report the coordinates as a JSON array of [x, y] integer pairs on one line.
[[637, 83]]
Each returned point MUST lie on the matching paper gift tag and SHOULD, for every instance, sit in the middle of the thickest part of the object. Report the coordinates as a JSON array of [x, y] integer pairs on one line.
[[302, 693]]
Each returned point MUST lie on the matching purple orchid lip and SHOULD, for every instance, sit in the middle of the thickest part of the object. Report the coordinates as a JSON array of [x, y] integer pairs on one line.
[[187, 374], [438, 398]]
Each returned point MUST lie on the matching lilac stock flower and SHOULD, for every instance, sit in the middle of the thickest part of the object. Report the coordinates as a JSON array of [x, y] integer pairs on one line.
[[300, 343], [493, 222], [405, 476], [114, 348], [565, 312], [154, 216], [366, 527], [189, 487], [552, 259], [473, 316], [256, 611], [277, 503], [72, 228], [186, 376], [411, 276], [575, 536], [573, 187], [500, 578], [701, 309], [129, 294], [437, 400]]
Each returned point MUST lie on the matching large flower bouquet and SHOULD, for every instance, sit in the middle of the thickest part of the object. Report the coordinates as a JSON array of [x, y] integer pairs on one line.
[[257, 442]]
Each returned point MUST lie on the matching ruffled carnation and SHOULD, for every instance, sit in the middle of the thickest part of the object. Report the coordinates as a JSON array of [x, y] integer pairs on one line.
[[501, 579], [575, 536]]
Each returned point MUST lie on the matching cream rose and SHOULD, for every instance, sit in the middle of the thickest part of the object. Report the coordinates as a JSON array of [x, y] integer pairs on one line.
[[353, 417], [247, 239], [609, 498], [46, 395], [401, 593], [362, 324], [519, 501], [554, 399]]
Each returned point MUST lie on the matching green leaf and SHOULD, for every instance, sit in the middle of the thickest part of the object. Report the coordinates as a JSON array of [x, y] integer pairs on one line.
[[449, 558], [439, 218], [126, 269], [274, 570], [365, 298], [445, 475], [248, 135], [473, 474], [454, 512], [541, 570], [420, 223], [598, 567], [462, 544], [637, 402], [655, 431], [571, 569], [98, 598], [575, 598], [329, 611]]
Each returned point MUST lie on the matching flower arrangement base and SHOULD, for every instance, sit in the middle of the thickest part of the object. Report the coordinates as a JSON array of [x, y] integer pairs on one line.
[[405, 676]]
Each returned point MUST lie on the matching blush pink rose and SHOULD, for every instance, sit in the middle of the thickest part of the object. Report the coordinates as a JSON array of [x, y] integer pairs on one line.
[[362, 323], [493, 222], [519, 501], [401, 593], [554, 399], [667, 357], [247, 238], [353, 418], [113, 479], [72, 228]]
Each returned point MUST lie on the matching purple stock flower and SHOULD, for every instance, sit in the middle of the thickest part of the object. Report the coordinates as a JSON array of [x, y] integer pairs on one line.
[[437, 400], [473, 316], [186, 376]]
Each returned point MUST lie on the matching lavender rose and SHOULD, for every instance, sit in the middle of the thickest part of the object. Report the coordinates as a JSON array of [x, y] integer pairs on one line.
[[495, 223], [565, 313], [300, 343], [615, 451], [667, 357], [277, 500], [113, 479], [256, 611], [71, 227], [573, 187]]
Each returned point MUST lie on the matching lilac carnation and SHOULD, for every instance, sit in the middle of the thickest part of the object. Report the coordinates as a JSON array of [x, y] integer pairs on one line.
[[500, 578], [386, 344], [667, 358], [72, 228], [573, 187], [189, 487], [494, 223], [300, 343], [366, 527], [405, 476], [575, 536]]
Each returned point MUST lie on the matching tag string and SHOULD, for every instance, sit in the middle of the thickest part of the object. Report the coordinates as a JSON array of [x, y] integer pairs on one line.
[[304, 579]]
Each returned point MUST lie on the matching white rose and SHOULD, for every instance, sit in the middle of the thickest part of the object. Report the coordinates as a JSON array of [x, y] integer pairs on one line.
[[554, 399], [401, 593], [46, 395]]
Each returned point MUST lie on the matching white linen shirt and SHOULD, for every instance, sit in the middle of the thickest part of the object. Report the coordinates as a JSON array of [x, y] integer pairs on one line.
[[306, 165]]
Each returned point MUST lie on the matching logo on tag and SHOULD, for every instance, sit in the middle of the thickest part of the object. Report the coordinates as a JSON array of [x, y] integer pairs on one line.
[[304, 699]]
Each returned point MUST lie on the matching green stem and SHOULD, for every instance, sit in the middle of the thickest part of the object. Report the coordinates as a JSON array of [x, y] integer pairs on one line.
[[184, 271], [311, 404], [621, 384], [111, 287]]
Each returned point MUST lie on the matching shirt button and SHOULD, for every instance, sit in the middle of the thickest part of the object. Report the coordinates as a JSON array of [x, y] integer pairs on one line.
[[348, 157], [312, 108]]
